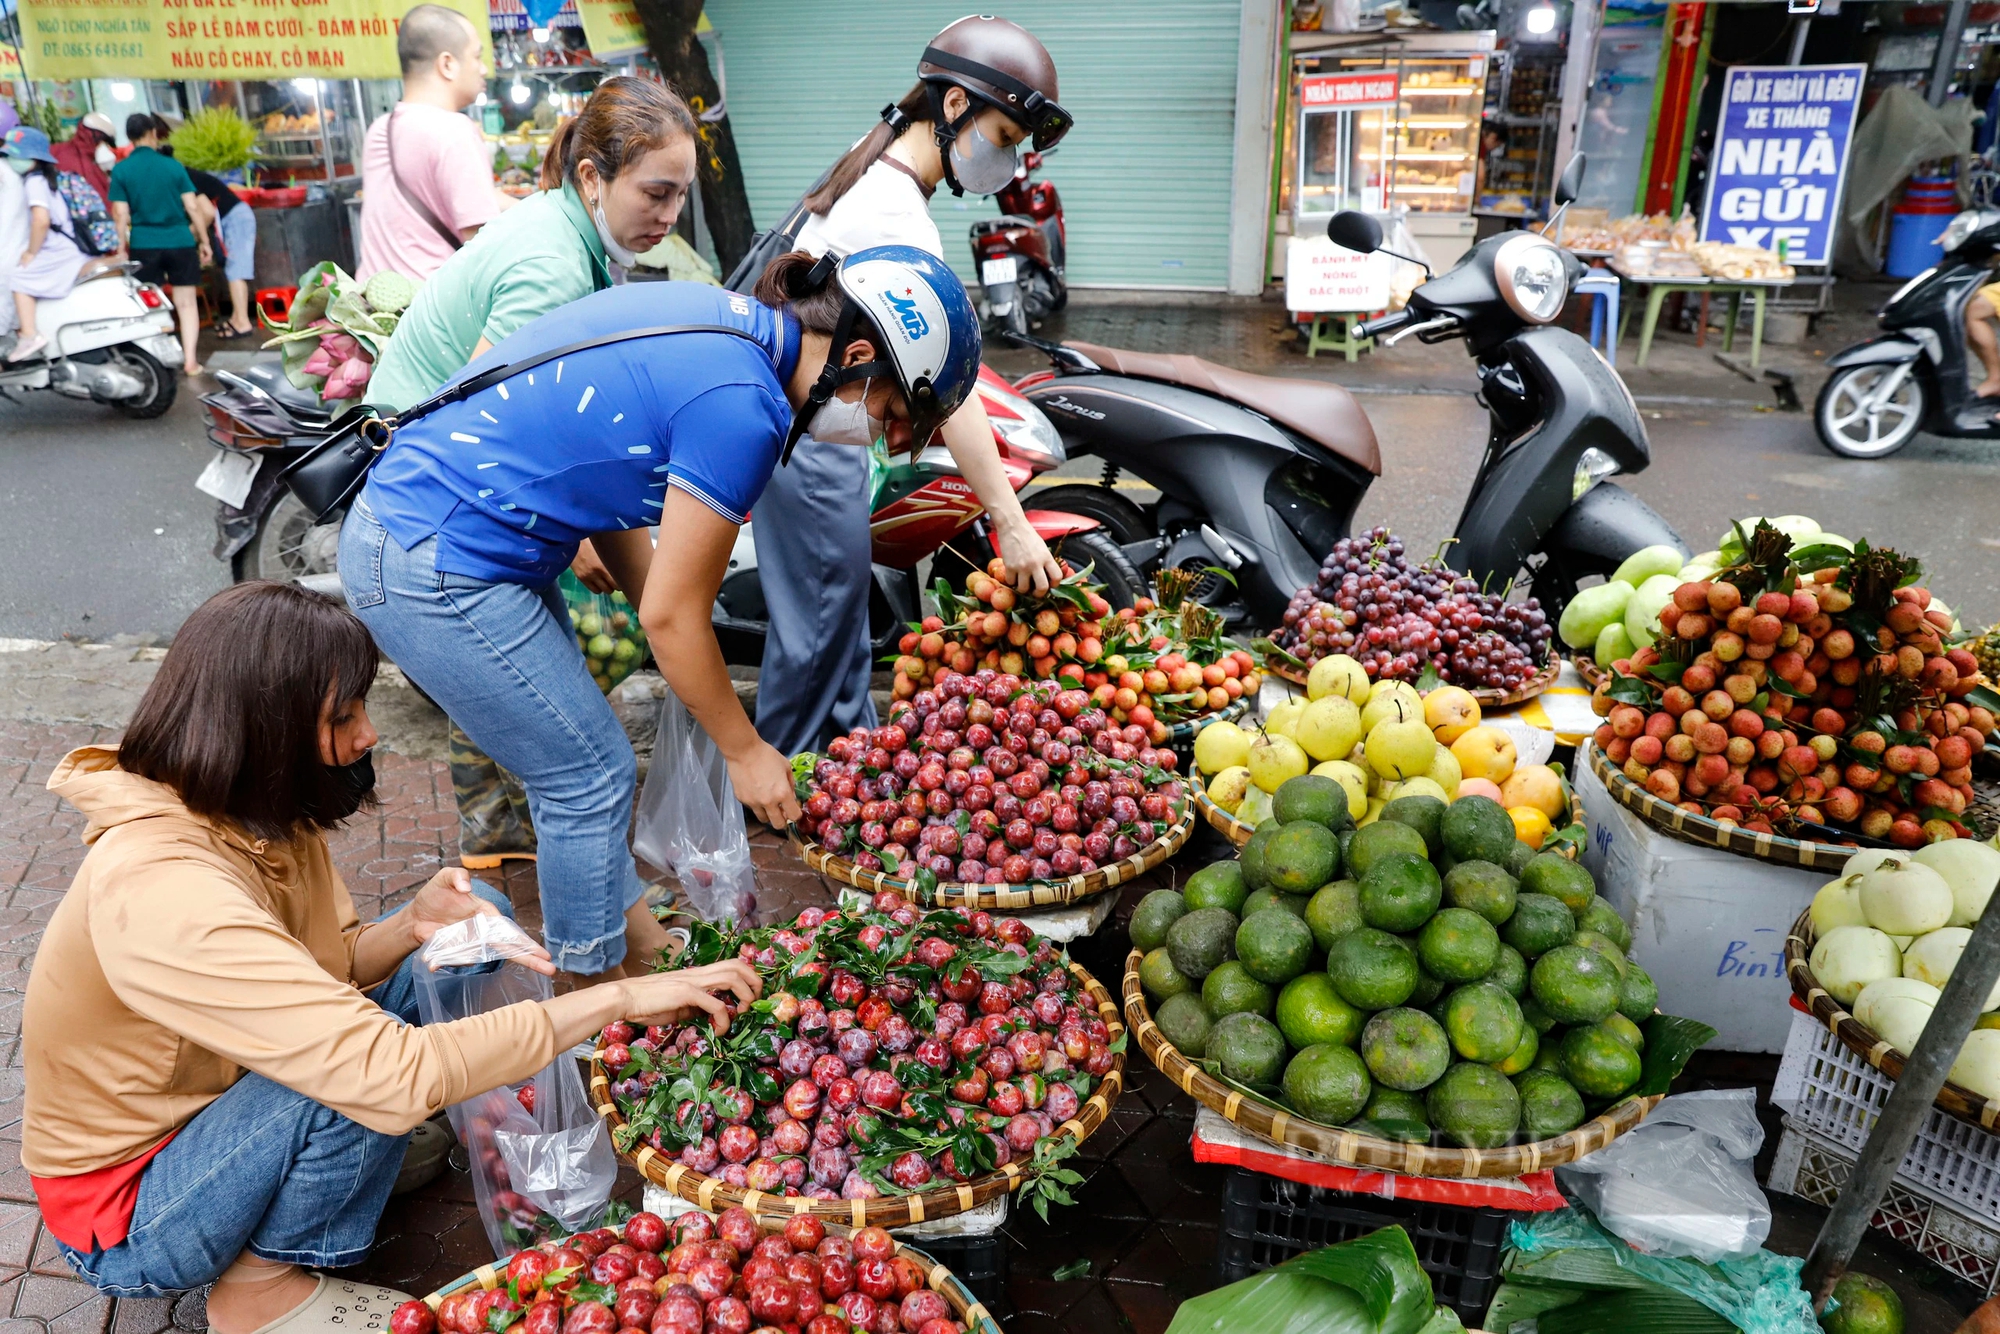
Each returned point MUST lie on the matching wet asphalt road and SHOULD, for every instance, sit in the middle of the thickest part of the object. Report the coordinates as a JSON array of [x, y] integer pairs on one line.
[[105, 534]]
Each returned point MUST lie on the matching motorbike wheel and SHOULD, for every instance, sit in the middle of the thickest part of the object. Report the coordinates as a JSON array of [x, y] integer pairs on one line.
[[1016, 318], [1845, 425], [288, 546], [1123, 585], [1127, 522], [162, 385]]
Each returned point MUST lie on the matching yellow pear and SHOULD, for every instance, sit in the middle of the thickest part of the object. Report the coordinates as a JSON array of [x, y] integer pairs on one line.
[[1220, 745], [1391, 707], [1328, 728], [1420, 786], [1534, 785], [1228, 787], [1274, 759], [1485, 752], [1451, 712], [1372, 814], [1338, 675], [1398, 750], [1445, 773], [1284, 719], [1351, 778]]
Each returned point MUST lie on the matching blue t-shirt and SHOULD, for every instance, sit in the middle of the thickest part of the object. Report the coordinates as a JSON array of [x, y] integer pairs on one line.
[[511, 479]]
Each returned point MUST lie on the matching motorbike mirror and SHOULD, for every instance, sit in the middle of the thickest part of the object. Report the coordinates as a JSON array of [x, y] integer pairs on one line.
[[1570, 184], [1356, 231]]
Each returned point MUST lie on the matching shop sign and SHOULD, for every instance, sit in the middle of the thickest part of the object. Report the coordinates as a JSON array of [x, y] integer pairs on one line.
[[1780, 159], [1322, 277], [1338, 92], [217, 39], [612, 27]]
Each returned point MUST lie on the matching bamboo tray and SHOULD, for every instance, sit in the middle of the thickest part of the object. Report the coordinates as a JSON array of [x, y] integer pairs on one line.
[[1239, 833], [1862, 1040], [1691, 828], [1035, 894], [1182, 733], [1587, 668], [1535, 685], [1349, 1146], [713, 1194], [965, 1307]]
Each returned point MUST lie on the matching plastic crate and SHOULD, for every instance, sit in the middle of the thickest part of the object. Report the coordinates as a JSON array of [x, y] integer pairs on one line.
[[1815, 1169], [979, 1262], [1266, 1220], [1826, 1089]]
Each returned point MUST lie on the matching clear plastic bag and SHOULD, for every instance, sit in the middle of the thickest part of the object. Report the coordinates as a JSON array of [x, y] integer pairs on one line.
[[538, 1152], [690, 822], [1682, 1183]]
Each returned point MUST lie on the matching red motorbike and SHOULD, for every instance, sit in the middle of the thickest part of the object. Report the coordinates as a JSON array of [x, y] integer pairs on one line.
[[1020, 253], [923, 510]]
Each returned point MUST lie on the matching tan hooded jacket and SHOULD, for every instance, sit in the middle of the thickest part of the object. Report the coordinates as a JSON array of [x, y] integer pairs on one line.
[[186, 953]]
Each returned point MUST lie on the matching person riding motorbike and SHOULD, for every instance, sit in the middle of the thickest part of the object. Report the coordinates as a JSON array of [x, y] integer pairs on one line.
[[984, 85], [451, 552]]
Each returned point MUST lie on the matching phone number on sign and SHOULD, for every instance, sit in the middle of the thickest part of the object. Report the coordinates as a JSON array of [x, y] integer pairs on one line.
[[131, 50]]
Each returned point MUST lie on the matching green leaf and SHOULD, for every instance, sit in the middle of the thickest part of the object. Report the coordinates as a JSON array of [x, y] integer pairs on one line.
[[500, 1317], [1371, 1285], [1269, 649], [1428, 679], [1073, 1270], [1118, 1045], [594, 1292], [1985, 697], [1628, 689], [1569, 836], [1655, 1310], [1670, 1041], [1383, 1268]]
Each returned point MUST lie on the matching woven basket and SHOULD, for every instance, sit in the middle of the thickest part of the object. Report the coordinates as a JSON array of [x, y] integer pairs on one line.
[[1862, 1040], [1536, 684], [1039, 894], [1587, 668], [1182, 733], [887, 1211], [1239, 833], [964, 1306], [1348, 1146], [1691, 828]]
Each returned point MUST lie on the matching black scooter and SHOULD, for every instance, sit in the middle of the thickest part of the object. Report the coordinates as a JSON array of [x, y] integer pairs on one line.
[[1915, 374], [262, 423], [1260, 475]]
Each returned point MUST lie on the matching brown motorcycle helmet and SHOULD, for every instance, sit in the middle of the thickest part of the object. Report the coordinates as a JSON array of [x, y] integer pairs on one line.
[[999, 64]]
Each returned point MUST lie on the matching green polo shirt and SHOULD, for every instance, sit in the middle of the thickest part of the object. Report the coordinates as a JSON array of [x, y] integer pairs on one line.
[[542, 253], [151, 184]]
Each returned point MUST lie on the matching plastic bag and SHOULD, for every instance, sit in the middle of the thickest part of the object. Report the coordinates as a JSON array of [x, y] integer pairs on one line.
[[607, 632], [690, 822], [1682, 1182], [539, 1155], [1758, 1293]]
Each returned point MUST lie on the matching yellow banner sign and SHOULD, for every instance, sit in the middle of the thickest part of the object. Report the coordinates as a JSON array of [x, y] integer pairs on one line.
[[611, 27], [217, 39]]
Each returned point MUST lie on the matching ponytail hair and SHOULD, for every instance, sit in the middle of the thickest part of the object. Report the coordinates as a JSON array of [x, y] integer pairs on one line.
[[915, 104], [625, 119], [787, 282]]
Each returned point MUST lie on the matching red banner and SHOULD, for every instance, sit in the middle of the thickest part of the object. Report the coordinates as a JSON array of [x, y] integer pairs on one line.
[[1321, 92]]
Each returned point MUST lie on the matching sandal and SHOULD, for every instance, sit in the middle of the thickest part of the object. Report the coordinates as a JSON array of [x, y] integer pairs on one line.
[[225, 334], [340, 1306]]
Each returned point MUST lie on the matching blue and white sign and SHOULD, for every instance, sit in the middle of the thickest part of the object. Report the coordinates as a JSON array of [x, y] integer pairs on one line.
[[1781, 157]]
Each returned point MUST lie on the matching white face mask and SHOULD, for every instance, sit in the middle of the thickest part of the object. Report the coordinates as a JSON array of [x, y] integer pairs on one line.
[[104, 157], [619, 254], [987, 168], [840, 422]]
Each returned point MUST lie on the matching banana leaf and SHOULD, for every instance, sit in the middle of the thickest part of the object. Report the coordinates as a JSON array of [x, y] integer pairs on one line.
[[1654, 1310], [1670, 1041], [1520, 1300], [1370, 1285]]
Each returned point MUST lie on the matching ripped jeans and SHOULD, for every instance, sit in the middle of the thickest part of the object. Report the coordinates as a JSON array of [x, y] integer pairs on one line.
[[502, 661]]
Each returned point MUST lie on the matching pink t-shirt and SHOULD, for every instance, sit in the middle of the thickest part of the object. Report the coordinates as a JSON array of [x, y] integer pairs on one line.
[[442, 159]]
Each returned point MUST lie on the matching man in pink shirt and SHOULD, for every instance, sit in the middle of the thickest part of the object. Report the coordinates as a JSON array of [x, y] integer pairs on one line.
[[426, 178]]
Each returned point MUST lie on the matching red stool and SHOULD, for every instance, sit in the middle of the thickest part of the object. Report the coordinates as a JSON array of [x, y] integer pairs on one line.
[[276, 302]]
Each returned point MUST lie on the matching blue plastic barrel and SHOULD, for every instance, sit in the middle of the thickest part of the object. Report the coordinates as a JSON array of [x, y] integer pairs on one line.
[[1927, 209]]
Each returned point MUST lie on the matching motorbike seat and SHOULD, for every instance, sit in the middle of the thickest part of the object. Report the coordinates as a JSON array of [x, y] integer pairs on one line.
[[1323, 413], [106, 268]]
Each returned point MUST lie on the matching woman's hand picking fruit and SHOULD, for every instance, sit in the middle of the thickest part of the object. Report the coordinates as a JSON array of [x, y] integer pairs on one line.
[[1031, 567], [763, 782], [666, 998]]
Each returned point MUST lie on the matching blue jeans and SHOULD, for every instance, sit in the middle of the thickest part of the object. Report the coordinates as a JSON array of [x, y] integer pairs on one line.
[[502, 661], [261, 1169]]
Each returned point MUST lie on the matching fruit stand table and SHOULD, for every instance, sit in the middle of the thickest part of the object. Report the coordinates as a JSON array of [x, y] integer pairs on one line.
[[1658, 289]]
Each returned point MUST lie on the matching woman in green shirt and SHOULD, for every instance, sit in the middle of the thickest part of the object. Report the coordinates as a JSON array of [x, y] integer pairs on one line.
[[613, 182]]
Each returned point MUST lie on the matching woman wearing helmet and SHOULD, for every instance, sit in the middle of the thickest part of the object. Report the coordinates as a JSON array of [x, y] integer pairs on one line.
[[595, 421], [984, 85]]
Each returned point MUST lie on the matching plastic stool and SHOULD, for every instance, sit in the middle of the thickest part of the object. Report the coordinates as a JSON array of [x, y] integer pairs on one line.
[[1603, 311], [276, 302]]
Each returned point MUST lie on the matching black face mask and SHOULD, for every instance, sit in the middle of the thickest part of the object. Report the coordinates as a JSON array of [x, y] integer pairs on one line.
[[353, 784]]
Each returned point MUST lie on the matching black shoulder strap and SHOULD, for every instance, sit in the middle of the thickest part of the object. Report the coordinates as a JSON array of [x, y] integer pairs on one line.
[[465, 389]]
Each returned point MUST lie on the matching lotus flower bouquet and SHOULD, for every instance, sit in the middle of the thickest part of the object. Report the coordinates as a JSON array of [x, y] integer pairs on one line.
[[336, 328]]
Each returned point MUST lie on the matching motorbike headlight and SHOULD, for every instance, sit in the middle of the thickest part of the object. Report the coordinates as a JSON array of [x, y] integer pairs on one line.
[[1592, 467], [1031, 432], [1533, 277]]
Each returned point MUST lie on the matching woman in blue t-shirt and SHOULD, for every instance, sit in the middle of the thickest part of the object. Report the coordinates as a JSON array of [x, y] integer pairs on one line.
[[451, 552]]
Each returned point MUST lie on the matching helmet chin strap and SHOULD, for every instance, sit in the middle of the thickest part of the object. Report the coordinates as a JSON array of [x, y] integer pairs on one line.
[[945, 132], [832, 377]]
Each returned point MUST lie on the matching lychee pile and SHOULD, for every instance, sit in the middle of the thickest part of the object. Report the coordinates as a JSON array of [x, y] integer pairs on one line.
[[1782, 700], [894, 1050], [990, 779]]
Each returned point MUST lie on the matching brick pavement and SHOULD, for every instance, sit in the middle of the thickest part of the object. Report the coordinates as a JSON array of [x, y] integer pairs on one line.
[[1145, 1219]]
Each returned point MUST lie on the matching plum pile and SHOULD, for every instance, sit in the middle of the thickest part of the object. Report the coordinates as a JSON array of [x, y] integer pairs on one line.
[[894, 1050], [1801, 689], [990, 779], [1399, 620], [698, 1275]]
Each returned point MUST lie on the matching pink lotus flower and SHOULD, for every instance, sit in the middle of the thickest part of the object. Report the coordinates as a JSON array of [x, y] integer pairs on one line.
[[348, 380], [321, 362], [340, 346]]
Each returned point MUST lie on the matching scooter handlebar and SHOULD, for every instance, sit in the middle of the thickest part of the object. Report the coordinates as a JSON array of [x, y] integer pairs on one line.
[[1387, 324]]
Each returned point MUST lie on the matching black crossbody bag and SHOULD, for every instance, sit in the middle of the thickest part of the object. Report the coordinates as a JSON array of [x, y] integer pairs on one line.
[[327, 479]]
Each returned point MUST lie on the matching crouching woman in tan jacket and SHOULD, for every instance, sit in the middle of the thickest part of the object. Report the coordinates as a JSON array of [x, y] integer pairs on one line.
[[223, 1063]]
